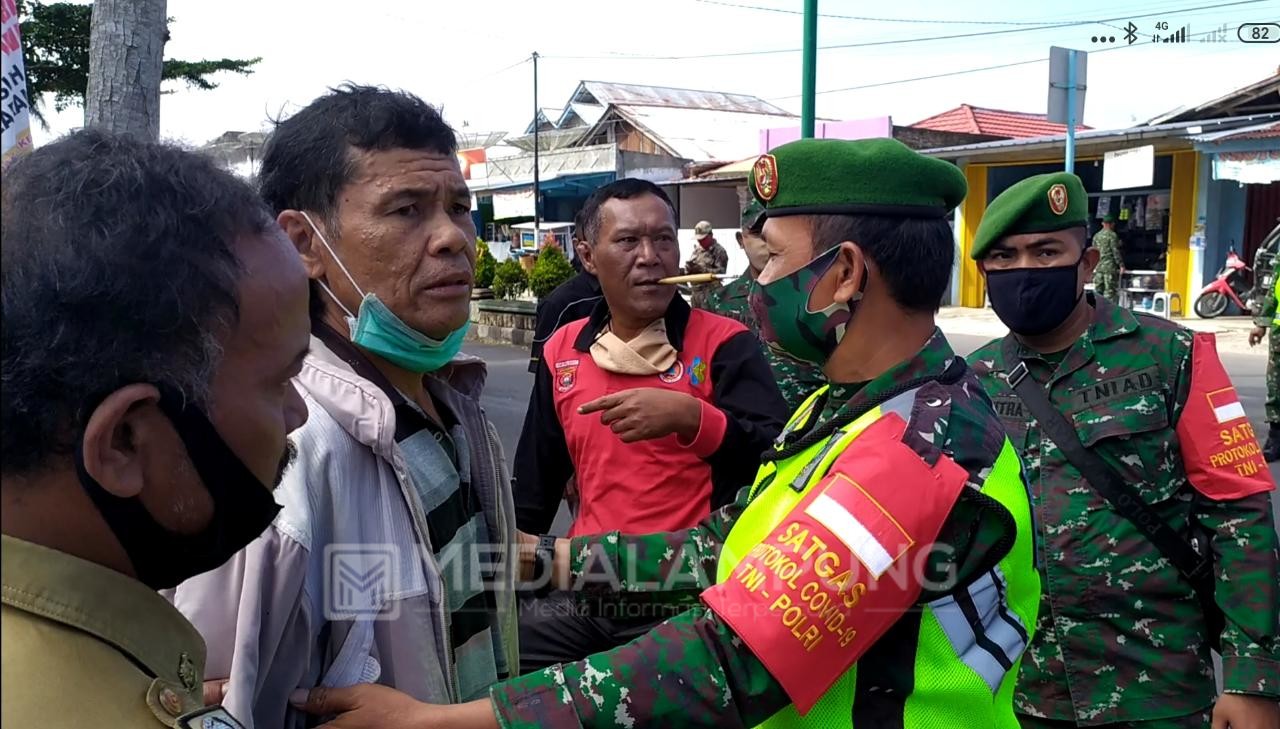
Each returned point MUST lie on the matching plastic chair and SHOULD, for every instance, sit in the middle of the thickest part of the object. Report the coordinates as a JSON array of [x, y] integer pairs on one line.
[[1167, 303]]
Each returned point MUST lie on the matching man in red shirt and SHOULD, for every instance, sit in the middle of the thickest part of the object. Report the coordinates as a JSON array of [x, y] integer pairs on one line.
[[659, 411]]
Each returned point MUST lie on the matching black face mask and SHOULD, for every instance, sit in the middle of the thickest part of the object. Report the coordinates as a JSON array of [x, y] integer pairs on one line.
[[243, 506], [1034, 301]]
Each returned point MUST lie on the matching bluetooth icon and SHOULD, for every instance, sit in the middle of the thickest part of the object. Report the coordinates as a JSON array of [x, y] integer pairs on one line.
[[1130, 32]]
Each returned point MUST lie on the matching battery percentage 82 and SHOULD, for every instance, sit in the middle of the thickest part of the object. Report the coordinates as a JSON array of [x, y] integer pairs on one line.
[[1259, 33]]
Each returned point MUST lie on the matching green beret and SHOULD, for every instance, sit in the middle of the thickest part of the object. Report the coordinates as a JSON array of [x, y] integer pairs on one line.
[[1039, 204], [863, 177], [1109, 218], [751, 214]]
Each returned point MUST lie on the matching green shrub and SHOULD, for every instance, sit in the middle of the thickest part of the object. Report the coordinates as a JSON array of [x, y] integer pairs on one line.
[[551, 270], [509, 279], [486, 266]]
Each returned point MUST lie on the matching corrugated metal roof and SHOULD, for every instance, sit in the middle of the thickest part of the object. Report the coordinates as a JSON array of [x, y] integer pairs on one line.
[[1270, 130], [700, 134], [1227, 102], [993, 122], [1132, 134], [604, 94], [588, 113]]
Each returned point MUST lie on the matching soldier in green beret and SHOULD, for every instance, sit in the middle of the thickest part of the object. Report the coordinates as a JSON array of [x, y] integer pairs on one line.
[[1124, 631], [880, 569], [796, 379]]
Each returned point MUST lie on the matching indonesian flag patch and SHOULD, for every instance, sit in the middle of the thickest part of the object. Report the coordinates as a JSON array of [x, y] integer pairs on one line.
[[843, 565], [1220, 451]]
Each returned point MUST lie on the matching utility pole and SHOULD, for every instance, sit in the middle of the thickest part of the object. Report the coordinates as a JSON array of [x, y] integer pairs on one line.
[[537, 212], [808, 83], [1071, 112]]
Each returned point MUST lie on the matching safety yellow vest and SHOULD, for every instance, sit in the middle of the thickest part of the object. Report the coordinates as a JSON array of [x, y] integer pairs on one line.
[[1275, 292], [958, 681]]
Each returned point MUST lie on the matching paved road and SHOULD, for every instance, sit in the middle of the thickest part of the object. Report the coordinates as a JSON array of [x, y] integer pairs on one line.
[[507, 392]]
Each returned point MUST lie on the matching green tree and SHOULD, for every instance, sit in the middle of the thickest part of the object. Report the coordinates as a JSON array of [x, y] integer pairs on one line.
[[55, 47], [509, 280], [486, 265], [551, 270]]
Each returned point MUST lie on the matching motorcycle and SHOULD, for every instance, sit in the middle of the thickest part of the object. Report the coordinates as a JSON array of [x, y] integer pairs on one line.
[[1234, 284]]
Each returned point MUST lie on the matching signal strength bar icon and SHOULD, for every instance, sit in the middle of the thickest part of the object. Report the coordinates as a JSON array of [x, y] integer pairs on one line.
[[1178, 37]]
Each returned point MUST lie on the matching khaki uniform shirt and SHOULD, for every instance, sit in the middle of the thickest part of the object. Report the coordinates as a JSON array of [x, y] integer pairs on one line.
[[85, 646]]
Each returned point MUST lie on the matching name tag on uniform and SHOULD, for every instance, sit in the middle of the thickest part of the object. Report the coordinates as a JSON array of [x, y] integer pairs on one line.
[[1123, 385], [1009, 407], [210, 717]]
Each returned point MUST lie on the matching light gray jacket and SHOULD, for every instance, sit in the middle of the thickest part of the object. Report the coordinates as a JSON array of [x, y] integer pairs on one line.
[[343, 588]]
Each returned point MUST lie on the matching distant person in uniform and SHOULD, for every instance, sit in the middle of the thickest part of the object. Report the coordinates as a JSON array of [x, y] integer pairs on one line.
[[1268, 320], [708, 257], [1127, 402], [572, 300], [796, 379], [1106, 277], [154, 315]]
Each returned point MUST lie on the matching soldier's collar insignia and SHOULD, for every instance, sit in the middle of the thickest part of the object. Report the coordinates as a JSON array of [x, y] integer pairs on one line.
[[765, 175], [1058, 199]]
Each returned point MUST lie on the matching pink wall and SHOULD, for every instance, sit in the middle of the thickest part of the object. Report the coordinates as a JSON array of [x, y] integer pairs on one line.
[[874, 128]]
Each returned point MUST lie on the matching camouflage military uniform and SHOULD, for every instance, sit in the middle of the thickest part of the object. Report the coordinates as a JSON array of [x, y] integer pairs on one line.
[[796, 379], [1106, 277], [1121, 636], [712, 259], [692, 671], [1266, 317]]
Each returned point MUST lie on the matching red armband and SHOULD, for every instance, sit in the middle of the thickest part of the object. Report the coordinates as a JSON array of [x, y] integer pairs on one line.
[[1220, 451], [842, 567]]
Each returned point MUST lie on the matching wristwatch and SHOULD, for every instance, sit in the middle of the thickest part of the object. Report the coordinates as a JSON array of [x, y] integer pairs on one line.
[[544, 559]]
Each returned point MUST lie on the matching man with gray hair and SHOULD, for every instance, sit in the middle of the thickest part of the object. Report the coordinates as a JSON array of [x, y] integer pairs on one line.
[[153, 318]]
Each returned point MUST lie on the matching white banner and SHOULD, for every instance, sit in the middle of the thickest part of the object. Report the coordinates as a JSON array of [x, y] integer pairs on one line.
[[1257, 168], [1128, 168], [14, 105], [516, 204]]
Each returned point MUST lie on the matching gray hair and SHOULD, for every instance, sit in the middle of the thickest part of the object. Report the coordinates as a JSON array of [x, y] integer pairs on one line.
[[118, 267]]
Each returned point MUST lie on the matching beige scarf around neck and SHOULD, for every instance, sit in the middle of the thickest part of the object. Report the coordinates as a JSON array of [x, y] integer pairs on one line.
[[650, 353]]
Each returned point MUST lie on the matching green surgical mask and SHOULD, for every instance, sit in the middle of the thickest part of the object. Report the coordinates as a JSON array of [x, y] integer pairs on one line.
[[377, 329], [787, 322]]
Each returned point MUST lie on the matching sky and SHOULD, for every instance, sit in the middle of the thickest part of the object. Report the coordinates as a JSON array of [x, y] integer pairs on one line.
[[471, 58]]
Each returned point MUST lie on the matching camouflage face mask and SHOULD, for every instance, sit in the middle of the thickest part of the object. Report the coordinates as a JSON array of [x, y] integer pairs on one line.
[[788, 322]]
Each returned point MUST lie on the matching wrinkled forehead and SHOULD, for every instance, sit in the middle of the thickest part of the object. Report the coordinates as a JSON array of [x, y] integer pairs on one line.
[[643, 212], [384, 172]]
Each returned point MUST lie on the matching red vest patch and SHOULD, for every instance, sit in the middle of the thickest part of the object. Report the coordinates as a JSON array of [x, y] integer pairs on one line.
[[1220, 451], [843, 565]]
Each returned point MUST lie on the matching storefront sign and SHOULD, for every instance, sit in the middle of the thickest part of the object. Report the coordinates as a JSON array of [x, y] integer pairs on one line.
[[14, 105], [1257, 168], [1129, 168]]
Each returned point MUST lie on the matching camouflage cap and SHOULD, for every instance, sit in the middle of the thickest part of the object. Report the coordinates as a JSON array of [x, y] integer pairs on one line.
[[752, 215], [1039, 204], [867, 177], [702, 229]]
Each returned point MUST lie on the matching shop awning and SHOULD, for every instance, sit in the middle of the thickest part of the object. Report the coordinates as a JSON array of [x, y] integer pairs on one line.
[[1250, 155]]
